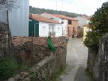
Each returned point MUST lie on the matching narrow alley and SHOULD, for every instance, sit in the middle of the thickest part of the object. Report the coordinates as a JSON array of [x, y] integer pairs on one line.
[[76, 62]]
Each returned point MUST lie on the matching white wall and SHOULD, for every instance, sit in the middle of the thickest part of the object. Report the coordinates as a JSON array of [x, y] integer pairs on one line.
[[58, 30], [43, 29], [65, 27], [19, 18]]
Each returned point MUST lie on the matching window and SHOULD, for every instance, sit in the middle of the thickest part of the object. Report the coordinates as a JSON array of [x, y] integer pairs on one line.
[[69, 22], [62, 22], [52, 18]]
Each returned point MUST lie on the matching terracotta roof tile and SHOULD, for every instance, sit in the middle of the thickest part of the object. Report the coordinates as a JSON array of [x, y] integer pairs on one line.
[[65, 17], [42, 19], [86, 17]]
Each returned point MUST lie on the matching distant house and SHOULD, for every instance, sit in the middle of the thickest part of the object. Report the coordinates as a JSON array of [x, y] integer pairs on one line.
[[83, 20], [72, 24], [17, 17], [69, 24], [40, 26], [63, 22]]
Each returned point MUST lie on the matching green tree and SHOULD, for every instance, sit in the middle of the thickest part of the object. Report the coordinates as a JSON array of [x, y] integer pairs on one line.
[[99, 26]]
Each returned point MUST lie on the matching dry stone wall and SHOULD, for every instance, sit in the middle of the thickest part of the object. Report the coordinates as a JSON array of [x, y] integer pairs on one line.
[[102, 61], [44, 63], [98, 64], [32, 50]]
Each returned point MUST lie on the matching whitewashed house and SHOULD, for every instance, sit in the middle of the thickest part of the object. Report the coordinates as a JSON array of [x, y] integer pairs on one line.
[[40, 26], [83, 20], [16, 14], [64, 22]]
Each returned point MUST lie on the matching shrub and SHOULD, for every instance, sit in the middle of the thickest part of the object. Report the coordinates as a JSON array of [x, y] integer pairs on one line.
[[8, 66], [99, 27], [92, 41]]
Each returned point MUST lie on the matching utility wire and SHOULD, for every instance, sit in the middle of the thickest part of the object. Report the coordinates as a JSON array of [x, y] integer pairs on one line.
[[56, 4]]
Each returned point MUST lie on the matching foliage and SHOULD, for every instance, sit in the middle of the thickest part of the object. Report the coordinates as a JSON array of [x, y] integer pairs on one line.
[[8, 66], [34, 75], [99, 26], [23, 67], [59, 73], [92, 40], [39, 11]]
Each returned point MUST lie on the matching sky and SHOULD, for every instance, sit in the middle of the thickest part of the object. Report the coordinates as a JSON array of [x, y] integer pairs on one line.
[[87, 7]]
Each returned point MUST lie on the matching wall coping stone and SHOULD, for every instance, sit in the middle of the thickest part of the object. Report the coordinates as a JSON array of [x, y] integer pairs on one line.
[[41, 63]]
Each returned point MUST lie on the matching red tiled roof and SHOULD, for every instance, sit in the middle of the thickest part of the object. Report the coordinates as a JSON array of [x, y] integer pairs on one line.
[[42, 19], [64, 17], [86, 17]]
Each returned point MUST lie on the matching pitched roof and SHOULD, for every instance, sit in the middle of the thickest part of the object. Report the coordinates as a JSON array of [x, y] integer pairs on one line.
[[42, 19], [65, 17], [86, 17]]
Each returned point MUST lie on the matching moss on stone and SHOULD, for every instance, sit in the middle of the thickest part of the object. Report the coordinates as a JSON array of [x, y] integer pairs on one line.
[[58, 74]]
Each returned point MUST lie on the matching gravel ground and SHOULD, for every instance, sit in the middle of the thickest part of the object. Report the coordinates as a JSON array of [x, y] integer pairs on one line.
[[76, 62]]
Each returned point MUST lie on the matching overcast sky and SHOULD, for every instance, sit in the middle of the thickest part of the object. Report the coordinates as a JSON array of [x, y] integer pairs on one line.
[[77, 6]]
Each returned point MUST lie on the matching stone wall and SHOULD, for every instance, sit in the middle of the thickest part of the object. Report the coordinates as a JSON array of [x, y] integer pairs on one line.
[[98, 64], [33, 49], [91, 59], [102, 61], [5, 40], [44, 63]]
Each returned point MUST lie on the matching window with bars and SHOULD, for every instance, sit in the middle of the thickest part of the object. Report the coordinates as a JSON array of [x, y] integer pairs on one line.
[[69, 22]]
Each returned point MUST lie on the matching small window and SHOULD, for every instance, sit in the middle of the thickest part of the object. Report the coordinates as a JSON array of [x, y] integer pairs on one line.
[[51, 18], [69, 22], [62, 22]]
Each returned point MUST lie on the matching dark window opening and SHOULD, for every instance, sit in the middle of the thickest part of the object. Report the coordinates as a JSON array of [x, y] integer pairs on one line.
[[62, 22], [51, 18], [69, 22]]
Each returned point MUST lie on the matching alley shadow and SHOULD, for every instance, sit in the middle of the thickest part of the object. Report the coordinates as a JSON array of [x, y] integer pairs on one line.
[[82, 75]]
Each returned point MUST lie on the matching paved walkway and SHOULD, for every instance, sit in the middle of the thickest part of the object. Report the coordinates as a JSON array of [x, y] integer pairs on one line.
[[76, 62]]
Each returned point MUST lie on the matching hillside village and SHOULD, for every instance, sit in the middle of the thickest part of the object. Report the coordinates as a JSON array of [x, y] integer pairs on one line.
[[67, 26], [41, 46], [34, 40]]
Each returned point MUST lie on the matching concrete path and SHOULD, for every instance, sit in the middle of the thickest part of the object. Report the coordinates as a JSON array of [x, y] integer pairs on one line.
[[76, 62]]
